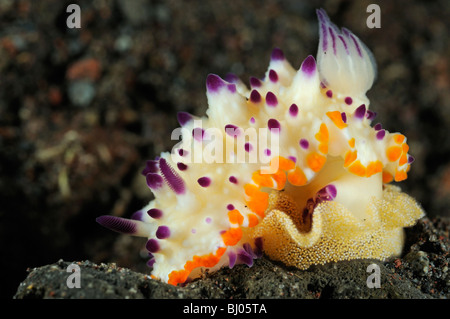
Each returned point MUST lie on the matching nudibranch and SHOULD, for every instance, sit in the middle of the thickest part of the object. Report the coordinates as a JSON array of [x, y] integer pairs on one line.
[[290, 166]]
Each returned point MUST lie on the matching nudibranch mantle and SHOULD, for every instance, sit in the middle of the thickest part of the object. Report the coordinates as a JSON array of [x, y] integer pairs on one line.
[[290, 166]]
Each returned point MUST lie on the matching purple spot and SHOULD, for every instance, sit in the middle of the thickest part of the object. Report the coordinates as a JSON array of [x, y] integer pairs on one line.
[[304, 143], [370, 115], [248, 147], [175, 182], [293, 110], [232, 78], [214, 83], [232, 130], [233, 180], [348, 100], [162, 232], [273, 76], [381, 134], [231, 259], [274, 125], [154, 181], [377, 127], [327, 193], [309, 66], [208, 220], [204, 181], [267, 152], [231, 88], [198, 133], [193, 230], [151, 262], [152, 245], [255, 82], [155, 213], [410, 159], [344, 117], [293, 158], [150, 167], [182, 152], [183, 118], [271, 99], [277, 55], [255, 97], [252, 120], [182, 166], [329, 94], [118, 224], [230, 206], [360, 111]]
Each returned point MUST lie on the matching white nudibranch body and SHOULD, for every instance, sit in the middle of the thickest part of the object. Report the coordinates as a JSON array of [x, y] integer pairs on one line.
[[290, 167]]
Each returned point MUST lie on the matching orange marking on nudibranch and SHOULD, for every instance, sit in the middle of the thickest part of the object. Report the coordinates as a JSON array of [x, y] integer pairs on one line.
[[393, 153], [250, 189], [258, 202], [399, 138], [387, 177], [374, 168], [336, 117], [285, 164], [350, 157], [323, 148], [322, 135], [358, 169], [400, 176], [280, 179], [405, 148], [403, 159], [315, 161], [262, 180], [351, 142], [232, 236], [253, 220], [235, 217], [297, 177]]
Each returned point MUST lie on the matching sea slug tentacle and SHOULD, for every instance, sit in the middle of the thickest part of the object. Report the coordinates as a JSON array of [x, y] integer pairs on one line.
[[290, 165]]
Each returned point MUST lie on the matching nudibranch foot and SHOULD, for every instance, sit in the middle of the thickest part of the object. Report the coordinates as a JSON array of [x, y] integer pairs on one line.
[[290, 166]]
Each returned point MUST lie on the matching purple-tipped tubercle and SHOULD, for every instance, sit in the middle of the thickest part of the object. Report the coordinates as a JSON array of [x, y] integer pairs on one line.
[[214, 83], [155, 213], [271, 99], [277, 55], [152, 245], [163, 232], [293, 110], [154, 181], [204, 181], [360, 111], [273, 125], [255, 97], [309, 66], [273, 76], [183, 118]]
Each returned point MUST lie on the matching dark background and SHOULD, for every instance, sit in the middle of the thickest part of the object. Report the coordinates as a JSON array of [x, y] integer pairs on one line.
[[82, 109]]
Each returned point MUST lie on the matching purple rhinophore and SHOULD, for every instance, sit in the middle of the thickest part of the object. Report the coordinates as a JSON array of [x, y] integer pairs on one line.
[[152, 245], [243, 257], [163, 232], [137, 215], [271, 99], [327, 193], [118, 224], [214, 83], [183, 118], [248, 147], [410, 159], [267, 152], [175, 182], [348, 100], [154, 181], [274, 125], [182, 166], [204, 181], [377, 127], [155, 213], [232, 130], [230, 206], [255, 82], [273, 76], [255, 97], [344, 117], [258, 247], [293, 110], [198, 133], [381, 134], [304, 143], [231, 259], [329, 94], [151, 166], [371, 115], [333, 39], [309, 66], [151, 262], [248, 248], [360, 111], [233, 180], [277, 55], [232, 78]]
